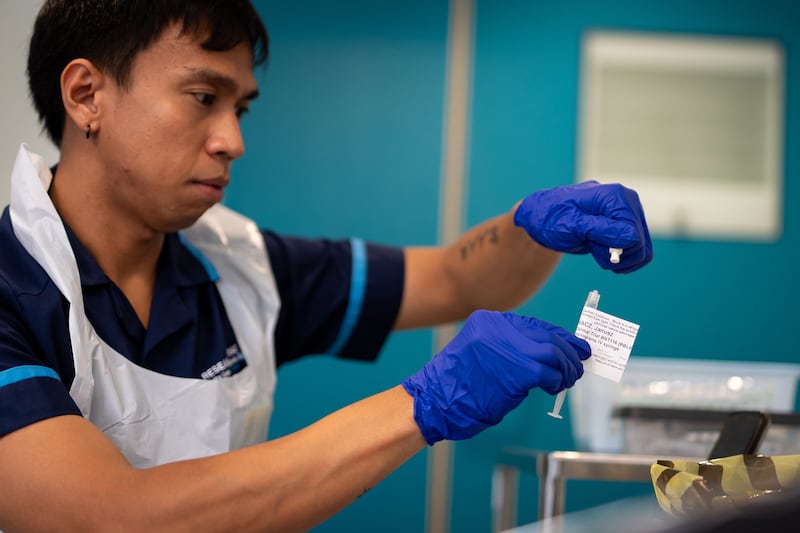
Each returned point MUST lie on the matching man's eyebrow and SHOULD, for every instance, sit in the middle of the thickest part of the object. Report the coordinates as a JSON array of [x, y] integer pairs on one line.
[[213, 77]]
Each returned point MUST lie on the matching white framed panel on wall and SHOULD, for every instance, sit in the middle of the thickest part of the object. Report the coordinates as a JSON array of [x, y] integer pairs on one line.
[[694, 124]]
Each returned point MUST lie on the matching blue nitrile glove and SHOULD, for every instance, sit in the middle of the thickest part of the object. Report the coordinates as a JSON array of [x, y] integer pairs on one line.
[[589, 217], [488, 369]]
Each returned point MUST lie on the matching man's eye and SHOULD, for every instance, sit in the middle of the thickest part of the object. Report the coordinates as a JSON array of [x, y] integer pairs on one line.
[[204, 98]]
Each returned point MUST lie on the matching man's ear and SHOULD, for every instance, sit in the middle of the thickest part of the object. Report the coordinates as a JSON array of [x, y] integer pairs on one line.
[[81, 81]]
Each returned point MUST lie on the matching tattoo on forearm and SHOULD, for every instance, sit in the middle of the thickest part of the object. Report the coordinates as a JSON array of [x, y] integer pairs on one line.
[[489, 236]]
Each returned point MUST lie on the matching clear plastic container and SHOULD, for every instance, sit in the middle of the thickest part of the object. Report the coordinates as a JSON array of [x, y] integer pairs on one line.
[[693, 432], [676, 383]]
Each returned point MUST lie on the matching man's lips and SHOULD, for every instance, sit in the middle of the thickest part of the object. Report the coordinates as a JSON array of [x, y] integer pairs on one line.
[[217, 183], [213, 188]]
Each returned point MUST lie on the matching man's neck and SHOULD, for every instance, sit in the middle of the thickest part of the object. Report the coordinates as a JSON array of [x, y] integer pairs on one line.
[[125, 249]]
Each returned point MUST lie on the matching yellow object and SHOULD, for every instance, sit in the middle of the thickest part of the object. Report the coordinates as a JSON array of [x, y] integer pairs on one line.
[[692, 489]]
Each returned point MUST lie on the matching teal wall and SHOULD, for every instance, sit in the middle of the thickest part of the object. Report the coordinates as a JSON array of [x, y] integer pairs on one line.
[[346, 140]]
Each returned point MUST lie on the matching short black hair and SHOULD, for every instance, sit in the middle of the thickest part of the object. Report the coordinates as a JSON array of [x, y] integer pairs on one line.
[[110, 33]]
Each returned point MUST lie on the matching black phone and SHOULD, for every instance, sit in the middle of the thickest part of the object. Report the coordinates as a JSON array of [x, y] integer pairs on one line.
[[741, 433]]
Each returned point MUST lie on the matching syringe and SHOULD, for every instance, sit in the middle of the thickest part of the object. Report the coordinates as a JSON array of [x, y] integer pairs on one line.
[[592, 300]]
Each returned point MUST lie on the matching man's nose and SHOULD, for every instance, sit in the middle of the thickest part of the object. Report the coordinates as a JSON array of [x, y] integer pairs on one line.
[[226, 138]]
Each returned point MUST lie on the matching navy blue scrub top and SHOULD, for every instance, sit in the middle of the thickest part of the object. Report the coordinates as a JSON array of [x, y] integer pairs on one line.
[[189, 331]]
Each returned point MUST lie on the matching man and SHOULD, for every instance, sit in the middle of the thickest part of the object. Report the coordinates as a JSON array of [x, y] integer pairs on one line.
[[141, 323]]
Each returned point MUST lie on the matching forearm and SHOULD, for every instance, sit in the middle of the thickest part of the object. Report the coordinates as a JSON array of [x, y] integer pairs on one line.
[[298, 481], [289, 484], [501, 262], [494, 265]]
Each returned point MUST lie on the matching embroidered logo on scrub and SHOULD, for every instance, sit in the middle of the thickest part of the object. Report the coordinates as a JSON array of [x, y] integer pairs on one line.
[[233, 363]]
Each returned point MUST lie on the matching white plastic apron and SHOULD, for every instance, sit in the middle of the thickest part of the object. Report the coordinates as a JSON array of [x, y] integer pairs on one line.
[[154, 418]]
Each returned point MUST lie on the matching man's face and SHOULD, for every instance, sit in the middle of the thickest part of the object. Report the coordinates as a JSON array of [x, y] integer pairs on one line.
[[167, 140]]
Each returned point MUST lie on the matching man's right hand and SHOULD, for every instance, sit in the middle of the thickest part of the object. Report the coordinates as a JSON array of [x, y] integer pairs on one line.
[[488, 369]]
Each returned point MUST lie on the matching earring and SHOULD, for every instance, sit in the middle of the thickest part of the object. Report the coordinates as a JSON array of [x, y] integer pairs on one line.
[[88, 130]]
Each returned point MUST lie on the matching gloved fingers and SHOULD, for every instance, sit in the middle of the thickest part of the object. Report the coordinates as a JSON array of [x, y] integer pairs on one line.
[[588, 184], [630, 260], [634, 239], [613, 200], [547, 348], [548, 218], [577, 346], [583, 348], [589, 216], [553, 355], [547, 356], [611, 216], [636, 252], [564, 358], [552, 381], [488, 369], [640, 255], [609, 232]]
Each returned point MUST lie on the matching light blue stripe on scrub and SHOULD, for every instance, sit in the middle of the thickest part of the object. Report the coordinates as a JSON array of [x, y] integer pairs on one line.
[[21, 373], [212, 272], [358, 282]]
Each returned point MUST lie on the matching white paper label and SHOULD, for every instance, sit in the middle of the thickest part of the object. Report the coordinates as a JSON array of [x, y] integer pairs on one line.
[[611, 339]]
